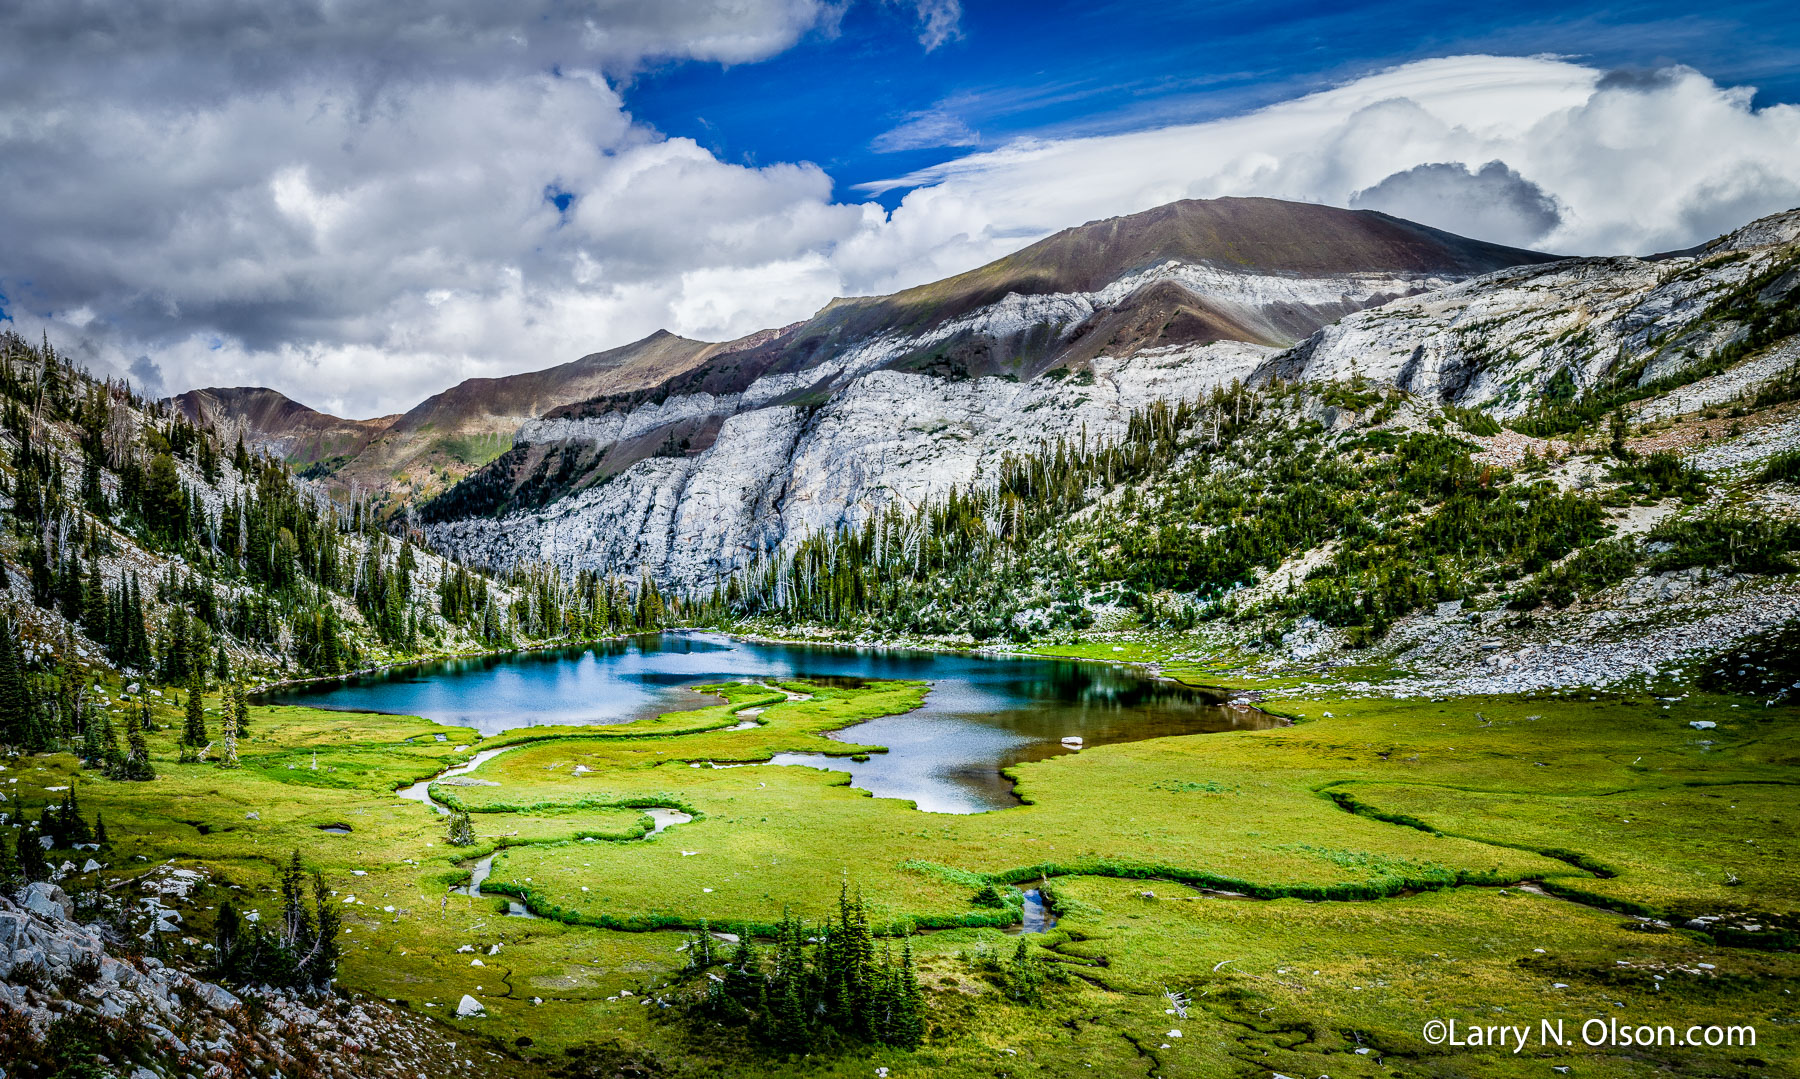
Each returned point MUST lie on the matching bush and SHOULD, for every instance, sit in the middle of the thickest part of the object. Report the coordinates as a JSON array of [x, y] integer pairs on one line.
[[1782, 468]]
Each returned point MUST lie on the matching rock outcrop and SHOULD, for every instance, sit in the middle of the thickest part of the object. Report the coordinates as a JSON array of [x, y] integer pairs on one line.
[[161, 1022]]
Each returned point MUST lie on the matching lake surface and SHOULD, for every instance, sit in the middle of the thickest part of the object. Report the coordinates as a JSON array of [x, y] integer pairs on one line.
[[982, 715]]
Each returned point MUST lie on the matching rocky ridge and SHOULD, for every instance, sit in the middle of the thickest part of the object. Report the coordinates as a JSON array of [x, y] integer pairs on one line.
[[1499, 341]]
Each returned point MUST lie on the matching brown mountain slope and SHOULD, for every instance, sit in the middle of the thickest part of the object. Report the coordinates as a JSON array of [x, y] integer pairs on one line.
[[448, 434], [270, 420]]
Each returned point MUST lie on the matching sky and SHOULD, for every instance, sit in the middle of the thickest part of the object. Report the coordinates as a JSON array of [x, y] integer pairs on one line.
[[360, 204]]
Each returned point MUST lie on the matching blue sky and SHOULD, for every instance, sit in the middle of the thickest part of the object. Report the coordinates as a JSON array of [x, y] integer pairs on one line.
[[1055, 68]]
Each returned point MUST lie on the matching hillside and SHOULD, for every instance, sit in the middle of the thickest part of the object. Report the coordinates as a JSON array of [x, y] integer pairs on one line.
[[141, 547], [1229, 490]]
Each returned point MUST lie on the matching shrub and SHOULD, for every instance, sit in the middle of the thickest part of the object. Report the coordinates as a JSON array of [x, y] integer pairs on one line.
[[1782, 468], [1588, 571]]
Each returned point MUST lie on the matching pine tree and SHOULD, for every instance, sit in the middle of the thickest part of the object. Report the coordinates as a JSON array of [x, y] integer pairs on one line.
[[100, 832], [907, 1029], [320, 968], [92, 748], [700, 948], [195, 730], [73, 826], [240, 701], [136, 763], [461, 831], [229, 757]]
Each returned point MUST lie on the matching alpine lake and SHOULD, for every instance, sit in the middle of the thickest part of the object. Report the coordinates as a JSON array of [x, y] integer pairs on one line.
[[980, 716]]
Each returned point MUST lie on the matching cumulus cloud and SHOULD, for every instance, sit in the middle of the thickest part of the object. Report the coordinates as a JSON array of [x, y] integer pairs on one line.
[[386, 204], [1493, 202]]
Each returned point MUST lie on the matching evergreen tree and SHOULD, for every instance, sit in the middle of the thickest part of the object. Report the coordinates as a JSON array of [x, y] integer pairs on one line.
[[321, 963], [11, 877], [135, 765], [228, 758], [110, 757], [907, 1028], [93, 748], [240, 703], [193, 732], [461, 831], [72, 826], [1025, 975], [100, 832], [15, 692], [32, 864]]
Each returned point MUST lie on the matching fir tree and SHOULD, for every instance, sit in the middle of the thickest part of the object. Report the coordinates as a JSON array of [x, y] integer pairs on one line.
[[100, 832], [135, 765], [93, 748], [320, 966], [73, 828], [110, 757]]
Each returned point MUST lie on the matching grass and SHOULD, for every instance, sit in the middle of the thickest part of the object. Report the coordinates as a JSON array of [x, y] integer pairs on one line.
[[1384, 841]]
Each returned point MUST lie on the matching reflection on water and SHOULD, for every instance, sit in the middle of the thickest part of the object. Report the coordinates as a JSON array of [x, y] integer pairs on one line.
[[982, 714]]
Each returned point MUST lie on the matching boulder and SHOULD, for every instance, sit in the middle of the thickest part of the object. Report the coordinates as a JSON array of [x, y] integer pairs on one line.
[[47, 900], [469, 1006], [217, 998]]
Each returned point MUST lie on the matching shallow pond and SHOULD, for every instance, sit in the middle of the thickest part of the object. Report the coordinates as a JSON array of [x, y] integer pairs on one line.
[[982, 714]]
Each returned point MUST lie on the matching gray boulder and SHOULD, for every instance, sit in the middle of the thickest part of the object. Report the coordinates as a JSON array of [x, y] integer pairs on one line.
[[47, 900]]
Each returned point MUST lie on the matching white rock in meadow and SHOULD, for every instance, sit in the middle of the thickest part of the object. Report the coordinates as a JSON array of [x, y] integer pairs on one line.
[[469, 1006]]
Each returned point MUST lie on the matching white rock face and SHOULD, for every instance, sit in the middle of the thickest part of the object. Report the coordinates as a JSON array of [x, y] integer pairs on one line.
[[1496, 341], [776, 474]]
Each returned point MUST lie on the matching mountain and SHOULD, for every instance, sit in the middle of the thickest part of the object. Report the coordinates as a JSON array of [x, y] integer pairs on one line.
[[1509, 341], [445, 436], [441, 439], [893, 399], [273, 422]]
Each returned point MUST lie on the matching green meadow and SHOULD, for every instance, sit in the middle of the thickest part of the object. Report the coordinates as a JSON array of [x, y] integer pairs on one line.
[[1302, 893]]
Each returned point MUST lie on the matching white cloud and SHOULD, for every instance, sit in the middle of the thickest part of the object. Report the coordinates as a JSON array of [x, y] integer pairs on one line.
[[1636, 164], [940, 21], [360, 244], [1493, 202]]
